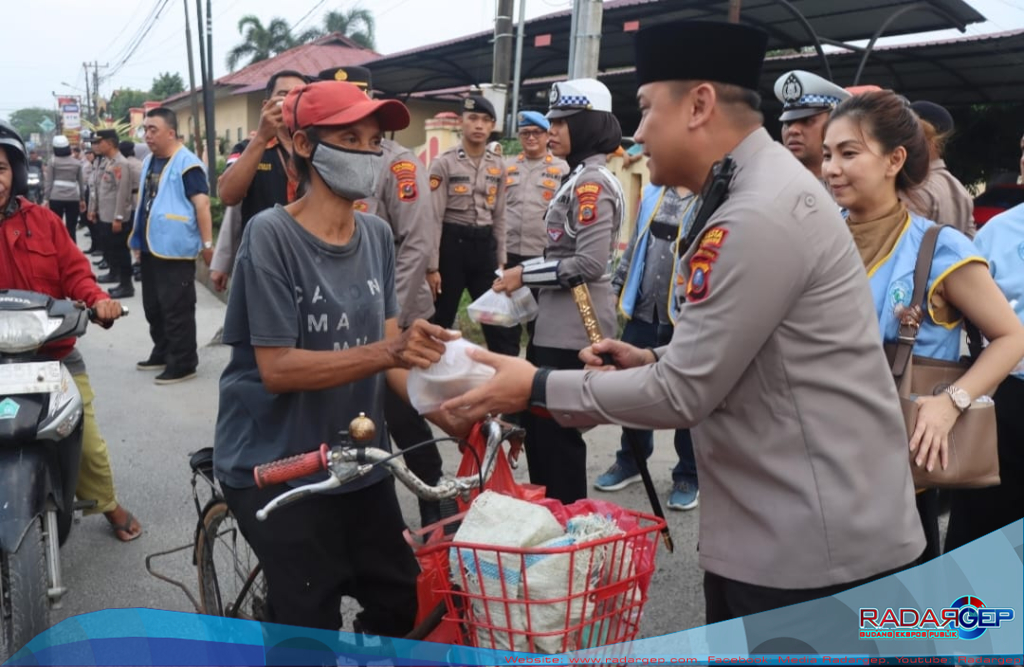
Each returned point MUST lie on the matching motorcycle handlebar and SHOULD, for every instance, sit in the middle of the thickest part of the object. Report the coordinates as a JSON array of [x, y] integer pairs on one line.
[[293, 467]]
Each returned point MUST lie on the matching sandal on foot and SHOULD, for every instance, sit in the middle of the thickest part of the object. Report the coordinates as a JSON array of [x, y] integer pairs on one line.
[[126, 528]]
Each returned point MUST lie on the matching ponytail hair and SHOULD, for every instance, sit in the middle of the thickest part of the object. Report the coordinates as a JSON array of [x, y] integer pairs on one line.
[[888, 119]]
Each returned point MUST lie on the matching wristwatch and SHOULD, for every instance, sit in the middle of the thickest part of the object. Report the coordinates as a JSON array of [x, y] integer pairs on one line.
[[207, 245], [961, 399]]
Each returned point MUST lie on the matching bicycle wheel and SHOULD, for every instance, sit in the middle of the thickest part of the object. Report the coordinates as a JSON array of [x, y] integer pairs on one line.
[[231, 581]]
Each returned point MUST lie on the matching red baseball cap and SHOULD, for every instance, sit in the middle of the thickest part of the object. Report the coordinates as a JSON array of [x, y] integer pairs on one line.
[[339, 103]]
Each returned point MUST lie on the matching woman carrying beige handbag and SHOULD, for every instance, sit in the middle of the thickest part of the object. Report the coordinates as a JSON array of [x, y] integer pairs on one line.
[[874, 148]]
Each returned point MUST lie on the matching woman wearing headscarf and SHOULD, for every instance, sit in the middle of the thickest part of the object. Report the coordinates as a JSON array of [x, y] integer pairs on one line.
[[583, 223]]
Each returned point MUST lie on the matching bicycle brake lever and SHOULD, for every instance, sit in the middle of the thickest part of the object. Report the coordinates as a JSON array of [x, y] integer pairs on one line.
[[331, 482], [514, 438]]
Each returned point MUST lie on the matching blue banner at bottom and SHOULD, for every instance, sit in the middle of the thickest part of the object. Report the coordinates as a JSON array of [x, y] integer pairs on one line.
[[961, 609]]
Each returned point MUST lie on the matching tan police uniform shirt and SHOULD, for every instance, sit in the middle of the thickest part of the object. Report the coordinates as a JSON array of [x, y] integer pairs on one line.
[[776, 363], [582, 226], [403, 200], [467, 192], [943, 199], [135, 178], [530, 185], [113, 190]]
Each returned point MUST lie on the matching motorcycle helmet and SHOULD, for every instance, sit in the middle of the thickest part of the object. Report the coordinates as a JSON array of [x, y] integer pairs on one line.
[[12, 144], [61, 146]]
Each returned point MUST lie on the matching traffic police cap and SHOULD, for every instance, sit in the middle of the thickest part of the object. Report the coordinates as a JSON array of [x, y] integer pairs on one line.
[[478, 104], [936, 114], [110, 135], [357, 76], [532, 119], [729, 53], [576, 95], [804, 94]]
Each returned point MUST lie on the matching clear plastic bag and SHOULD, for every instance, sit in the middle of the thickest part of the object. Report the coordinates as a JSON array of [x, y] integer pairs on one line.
[[504, 310], [452, 376]]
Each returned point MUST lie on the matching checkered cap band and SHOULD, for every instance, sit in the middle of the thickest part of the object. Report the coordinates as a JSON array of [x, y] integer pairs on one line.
[[572, 102], [814, 101]]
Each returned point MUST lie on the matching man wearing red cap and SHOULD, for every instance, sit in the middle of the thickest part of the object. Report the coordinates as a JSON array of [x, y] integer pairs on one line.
[[312, 323]]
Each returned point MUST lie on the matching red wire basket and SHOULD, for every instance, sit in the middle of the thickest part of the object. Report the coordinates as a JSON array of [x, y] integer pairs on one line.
[[553, 599]]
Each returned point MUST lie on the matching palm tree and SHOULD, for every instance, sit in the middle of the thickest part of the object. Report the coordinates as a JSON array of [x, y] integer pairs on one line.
[[357, 24], [259, 42]]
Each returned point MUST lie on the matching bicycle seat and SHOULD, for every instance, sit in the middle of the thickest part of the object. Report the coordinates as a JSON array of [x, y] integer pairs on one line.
[[201, 462]]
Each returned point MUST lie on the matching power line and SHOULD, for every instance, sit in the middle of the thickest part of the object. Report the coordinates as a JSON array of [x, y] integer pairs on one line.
[[147, 20], [138, 42], [138, 6]]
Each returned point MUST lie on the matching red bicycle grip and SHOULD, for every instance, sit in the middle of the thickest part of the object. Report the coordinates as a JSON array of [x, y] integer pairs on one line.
[[293, 467]]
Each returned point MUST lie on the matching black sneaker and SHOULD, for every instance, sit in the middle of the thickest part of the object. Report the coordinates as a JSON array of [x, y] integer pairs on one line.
[[173, 377], [122, 292], [151, 364]]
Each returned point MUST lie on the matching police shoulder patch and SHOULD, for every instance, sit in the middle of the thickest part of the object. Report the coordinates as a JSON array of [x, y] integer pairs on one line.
[[405, 173], [117, 173], [435, 182], [587, 195], [698, 285]]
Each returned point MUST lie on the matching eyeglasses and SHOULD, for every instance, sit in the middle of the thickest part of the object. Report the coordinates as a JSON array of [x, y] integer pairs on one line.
[[535, 134]]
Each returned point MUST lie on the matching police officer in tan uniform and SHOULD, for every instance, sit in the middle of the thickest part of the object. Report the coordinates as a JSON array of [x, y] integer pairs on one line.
[[468, 186], [582, 223], [941, 198], [807, 99], [127, 149], [403, 200], [775, 363], [531, 180], [112, 208]]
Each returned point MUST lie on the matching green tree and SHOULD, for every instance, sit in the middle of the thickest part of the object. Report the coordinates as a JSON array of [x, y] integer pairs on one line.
[[260, 42], [27, 120], [123, 100], [985, 144], [357, 24], [165, 85]]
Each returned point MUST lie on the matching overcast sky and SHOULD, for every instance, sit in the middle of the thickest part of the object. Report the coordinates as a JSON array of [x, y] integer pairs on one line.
[[47, 41]]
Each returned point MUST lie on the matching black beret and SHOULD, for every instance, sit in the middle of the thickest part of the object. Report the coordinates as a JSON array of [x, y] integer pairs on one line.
[[359, 76], [935, 114], [478, 104], [701, 51], [106, 134]]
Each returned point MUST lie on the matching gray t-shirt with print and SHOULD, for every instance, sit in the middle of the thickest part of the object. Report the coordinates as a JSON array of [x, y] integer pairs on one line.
[[291, 289]]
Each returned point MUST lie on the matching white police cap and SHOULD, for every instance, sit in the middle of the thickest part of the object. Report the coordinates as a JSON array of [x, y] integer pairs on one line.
[[571, 97], [805, 94]]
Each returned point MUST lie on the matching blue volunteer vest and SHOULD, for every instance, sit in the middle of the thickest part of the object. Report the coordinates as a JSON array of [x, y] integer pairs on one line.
[[172, 231], [650, 202], [1001, 242], [892, 285]]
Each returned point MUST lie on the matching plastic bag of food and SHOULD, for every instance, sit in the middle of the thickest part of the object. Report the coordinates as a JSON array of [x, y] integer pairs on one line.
[[452, 376], [504, 310]]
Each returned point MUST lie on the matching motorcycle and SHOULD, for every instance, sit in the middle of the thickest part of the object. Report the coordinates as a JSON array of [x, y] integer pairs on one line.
[[40, 446], [35, 184]]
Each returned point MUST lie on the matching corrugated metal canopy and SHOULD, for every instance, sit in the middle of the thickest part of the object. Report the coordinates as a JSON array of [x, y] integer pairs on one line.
[[469, 60]]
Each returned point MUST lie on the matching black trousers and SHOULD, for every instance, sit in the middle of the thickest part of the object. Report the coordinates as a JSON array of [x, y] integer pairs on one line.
[[408, 428], [169, 300], [100, 232], [928, 510], [467, 261], [327, 546], [507, 338], [975, 513], [67, 210], [119, 256], [726, 599], [557, 456]]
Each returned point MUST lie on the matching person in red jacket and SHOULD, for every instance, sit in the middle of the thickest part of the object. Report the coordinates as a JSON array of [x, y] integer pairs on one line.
[[37, 254]]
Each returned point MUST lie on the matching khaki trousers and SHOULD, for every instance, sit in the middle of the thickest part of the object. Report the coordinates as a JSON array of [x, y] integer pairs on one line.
[[95, 480]]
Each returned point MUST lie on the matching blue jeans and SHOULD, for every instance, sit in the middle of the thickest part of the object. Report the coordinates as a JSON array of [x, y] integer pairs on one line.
[[649, 334]]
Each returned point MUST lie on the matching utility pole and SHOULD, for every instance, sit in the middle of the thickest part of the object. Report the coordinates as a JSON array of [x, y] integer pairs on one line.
[[734, 11], [96, 87], [516, 78], [88, 96], [192, 83], [502, 74], [586, 39], [208, 103]]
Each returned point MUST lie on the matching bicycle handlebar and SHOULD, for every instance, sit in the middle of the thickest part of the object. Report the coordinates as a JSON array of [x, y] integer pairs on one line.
[[293, 467], [347, 463]]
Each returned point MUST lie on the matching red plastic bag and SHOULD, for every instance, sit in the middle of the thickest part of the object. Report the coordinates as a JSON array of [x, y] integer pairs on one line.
[[501, 481]]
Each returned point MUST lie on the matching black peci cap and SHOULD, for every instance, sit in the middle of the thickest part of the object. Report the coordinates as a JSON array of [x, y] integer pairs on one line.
[[936, 114], [729, 53], [478, 104], [357, 76]]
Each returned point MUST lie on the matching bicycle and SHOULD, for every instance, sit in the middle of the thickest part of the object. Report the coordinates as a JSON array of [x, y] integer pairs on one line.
[[230, 578]]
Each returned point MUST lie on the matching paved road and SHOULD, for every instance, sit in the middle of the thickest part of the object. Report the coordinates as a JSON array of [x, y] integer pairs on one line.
[[151, 429]]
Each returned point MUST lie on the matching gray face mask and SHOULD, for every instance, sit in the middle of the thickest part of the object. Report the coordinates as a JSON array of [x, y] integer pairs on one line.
[[349, 174]]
